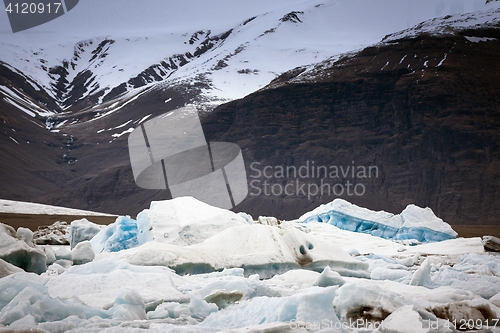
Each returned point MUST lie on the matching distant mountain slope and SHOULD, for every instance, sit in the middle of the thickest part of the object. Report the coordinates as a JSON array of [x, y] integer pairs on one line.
[[423, 107]]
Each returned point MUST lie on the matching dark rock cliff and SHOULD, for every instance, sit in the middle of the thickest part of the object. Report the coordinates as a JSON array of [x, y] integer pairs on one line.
[[424, 111]]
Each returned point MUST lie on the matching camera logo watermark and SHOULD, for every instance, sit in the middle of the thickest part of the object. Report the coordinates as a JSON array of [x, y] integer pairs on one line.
[[170, 152], [310, 180], [25, 15]]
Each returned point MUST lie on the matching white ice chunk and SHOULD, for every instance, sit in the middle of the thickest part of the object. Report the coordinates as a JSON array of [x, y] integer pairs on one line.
[[329, 278], [120, 235], [295, 278], [268, 220], [225, 289], [50, 254], [20, 254], [64, 253], [355, 301], [82, 230], [415, 217], [8, 269], [422, 276], [20, 298], [25, 235], [403, 320], [129, 305], [82, 253], [247, 217], [200, 308], [54, 269], [24, 323], [223, 298], [183, 221], [496, 300]]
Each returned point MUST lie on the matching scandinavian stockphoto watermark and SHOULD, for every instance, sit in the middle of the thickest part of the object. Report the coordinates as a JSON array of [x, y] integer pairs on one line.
[[25, 15], [310, 180], [170, 152], [437, 325]]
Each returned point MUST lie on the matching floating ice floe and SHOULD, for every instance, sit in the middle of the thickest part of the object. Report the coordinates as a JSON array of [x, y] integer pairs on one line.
[[193, 237], [414, 223]]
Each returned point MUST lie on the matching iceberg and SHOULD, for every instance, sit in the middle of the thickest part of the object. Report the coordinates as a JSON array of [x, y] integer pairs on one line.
[[329, 278], [414, 223], [192, 237], [180, 221], [129, 305], [17, 251], [120, 235], [7, 269], [404, 320], [262, 249], [82, 230], [183, 221], [82, 253]]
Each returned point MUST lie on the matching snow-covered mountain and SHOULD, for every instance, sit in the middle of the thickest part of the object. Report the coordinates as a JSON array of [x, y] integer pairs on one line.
[[224, 50]]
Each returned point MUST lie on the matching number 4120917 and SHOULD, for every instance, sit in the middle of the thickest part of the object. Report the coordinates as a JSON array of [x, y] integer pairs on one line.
[[33, 8]]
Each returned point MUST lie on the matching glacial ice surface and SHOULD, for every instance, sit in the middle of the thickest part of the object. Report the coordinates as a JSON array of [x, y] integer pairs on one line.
[[271, 277], [21, 298]]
